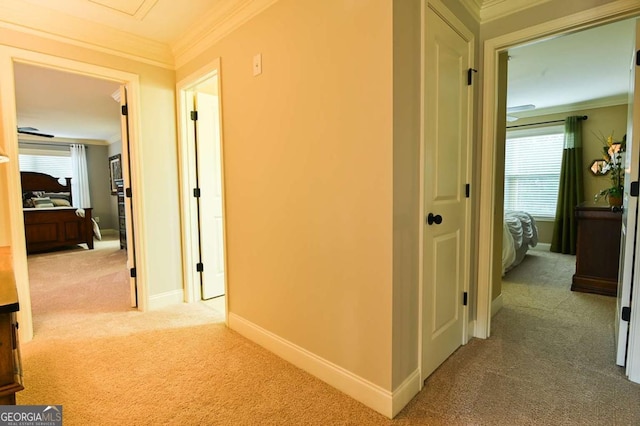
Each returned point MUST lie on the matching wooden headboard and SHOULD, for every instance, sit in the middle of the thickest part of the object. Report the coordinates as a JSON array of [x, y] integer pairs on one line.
[[34, 181]]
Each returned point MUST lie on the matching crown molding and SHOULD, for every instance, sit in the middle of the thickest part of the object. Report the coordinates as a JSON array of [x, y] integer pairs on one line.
[[495, 9], [59, 140], [222, 19], [610, 101], [82, 33], [473, 7], [138, 13], [116, 137]]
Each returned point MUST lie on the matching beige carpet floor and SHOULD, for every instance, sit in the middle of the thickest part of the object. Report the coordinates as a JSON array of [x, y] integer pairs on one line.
[[549, 360]]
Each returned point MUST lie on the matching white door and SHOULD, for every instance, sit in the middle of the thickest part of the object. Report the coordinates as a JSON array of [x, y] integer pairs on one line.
[[630, 211], [126, 177], [447, 100], [209, 179]]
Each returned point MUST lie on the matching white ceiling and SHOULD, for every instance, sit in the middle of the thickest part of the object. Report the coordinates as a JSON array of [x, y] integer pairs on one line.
[[588, 68], [165, 21], [585, 69], [66, 105]]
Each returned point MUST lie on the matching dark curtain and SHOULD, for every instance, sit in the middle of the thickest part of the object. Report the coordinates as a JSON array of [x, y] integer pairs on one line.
[[571, 190]]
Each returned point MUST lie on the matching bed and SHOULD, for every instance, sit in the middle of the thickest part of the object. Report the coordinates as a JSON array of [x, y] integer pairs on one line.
[[519, 233], [49, 220]]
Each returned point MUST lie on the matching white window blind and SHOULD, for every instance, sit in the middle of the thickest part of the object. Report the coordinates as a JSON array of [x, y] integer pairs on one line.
[[533, 159], [56, 163]]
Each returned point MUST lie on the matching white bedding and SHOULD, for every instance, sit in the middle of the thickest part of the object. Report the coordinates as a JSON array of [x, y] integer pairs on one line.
[[518, 234]]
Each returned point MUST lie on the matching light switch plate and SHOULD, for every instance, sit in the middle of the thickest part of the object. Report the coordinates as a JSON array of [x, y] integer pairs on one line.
[[257, 64]]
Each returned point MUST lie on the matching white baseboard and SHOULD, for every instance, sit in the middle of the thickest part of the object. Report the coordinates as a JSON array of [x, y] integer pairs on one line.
[[496, 305], [109, 231], [163, 300], [373, 396], [405, 393]]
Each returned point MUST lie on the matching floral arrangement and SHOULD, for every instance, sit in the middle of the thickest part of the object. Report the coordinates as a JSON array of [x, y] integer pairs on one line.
[[613, 155]]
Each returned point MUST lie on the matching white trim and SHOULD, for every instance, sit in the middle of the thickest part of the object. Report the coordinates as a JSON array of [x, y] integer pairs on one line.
[[592, 104], [607, 13], [405, 392], [9, 55], [496, 305], [186, 157], [33, 138], [496, 9], [214, 27], [473, 7], [168, 298], [370, 394], [633, 344], [141, 50]]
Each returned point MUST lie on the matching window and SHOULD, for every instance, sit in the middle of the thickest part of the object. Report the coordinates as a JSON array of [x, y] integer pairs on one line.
[[54, 162], [532, 170]]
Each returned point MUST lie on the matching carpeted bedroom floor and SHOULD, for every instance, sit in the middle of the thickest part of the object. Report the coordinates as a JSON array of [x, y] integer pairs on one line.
[[549, 360]]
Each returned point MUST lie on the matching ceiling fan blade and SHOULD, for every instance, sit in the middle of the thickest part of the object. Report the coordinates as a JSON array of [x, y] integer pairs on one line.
[[33, 131], [520, 108]]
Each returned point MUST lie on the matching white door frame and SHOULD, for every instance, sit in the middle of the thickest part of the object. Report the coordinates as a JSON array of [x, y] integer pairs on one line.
[[187, 181], [599, 15], [9, 56]]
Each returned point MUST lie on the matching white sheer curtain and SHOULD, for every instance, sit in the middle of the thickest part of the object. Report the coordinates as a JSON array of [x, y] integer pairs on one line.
[[80, 177]]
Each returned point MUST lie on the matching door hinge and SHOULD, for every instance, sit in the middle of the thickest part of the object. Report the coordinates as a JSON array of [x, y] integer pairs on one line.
[[467, 190], [626, 313], [199, 267], [194, 115], [127, 193], [638, 58], [633, 189], [196, 192], [465, 297], [132, 272], [470, 72], [125, 110]]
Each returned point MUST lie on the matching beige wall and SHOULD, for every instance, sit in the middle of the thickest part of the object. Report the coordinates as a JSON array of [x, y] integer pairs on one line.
[[157, 147], [5, 234], [601, 120], [97, 165], [406, 187], [308, 177], [503, 61], [113, 149]]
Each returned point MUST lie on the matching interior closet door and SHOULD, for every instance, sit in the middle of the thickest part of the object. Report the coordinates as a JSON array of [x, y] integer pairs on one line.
[[446, 115], [209, 178], [126, 176]]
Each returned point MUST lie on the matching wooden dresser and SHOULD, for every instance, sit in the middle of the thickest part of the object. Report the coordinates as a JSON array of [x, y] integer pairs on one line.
[[10, 364], [122, 220], [598, 250]]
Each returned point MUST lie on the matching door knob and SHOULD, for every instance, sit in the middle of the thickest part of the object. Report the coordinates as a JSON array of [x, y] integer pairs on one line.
[[431, 219]]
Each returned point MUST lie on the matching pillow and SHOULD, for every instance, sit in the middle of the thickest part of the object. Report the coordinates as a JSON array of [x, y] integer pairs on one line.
[[59, 202], [56, 195], [40, 203], [96, 230]]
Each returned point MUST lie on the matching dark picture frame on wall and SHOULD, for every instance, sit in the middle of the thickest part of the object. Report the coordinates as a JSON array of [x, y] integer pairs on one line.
[[115, 172]]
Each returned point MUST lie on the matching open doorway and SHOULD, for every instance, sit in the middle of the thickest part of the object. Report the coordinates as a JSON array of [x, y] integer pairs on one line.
[[69, 128], [15, 206], [547, 82], [202, 181], [491, 152]]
